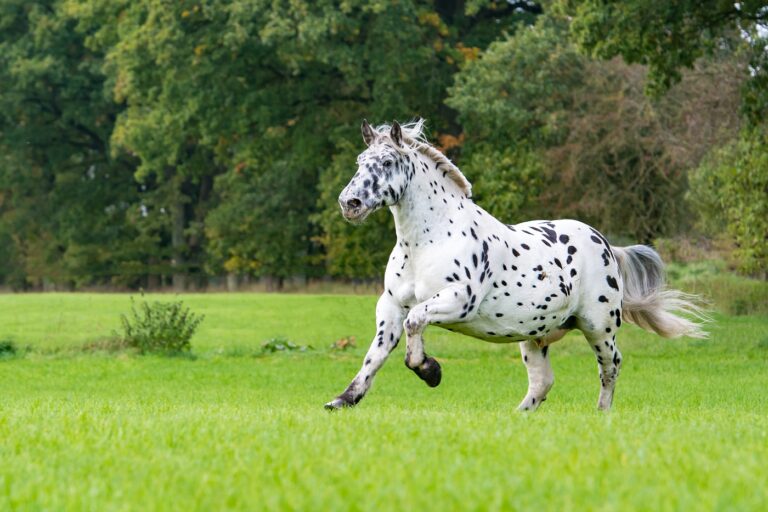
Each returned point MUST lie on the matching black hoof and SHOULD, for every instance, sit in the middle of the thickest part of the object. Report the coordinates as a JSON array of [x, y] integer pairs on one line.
[[430, 372]]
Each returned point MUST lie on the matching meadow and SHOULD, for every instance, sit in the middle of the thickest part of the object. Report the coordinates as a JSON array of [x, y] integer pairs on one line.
[[233, 428]]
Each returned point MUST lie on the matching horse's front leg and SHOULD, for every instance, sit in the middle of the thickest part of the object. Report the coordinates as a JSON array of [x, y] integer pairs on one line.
[[389, 328], [452, 304]]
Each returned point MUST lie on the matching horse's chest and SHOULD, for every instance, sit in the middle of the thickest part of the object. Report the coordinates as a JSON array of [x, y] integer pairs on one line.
[[433, 268]]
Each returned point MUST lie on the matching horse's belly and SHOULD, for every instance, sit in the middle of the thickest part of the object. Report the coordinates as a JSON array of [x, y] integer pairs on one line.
[[484, 332], [512, 324]]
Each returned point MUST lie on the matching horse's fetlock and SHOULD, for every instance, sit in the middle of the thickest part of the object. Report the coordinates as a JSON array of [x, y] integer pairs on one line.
[[546, 385]]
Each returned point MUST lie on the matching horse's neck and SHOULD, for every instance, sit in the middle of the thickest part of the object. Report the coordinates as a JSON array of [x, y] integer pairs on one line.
[[431, 206]]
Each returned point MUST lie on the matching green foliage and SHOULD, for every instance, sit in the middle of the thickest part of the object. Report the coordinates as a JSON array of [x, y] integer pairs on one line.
[[730, 189], [550, 132], [755, 91], [506, 181], [151, 142], [728, 293], [282, 344], [160, 327], [259, 226], [7, 348], [515, 93], [511, 102], [65, 198], [671, 36], [350, 251]]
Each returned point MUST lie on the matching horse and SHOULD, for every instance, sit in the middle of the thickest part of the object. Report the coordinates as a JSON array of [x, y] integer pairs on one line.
[[457, 267]]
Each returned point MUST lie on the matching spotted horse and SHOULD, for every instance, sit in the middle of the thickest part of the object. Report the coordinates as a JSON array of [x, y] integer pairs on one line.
[[457, 267]]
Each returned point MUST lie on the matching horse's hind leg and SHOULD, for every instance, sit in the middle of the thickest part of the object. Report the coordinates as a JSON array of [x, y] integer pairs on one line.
[[603, 343], [540, 375]]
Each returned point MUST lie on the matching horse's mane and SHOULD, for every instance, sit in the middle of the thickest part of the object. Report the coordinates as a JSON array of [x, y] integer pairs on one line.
[[414, 139]]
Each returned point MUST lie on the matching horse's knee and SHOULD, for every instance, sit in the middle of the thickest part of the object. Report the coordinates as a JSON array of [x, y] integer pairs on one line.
[[414, 322]]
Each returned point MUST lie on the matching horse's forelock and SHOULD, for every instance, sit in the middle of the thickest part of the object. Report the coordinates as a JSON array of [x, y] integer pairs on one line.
[[413, 132]]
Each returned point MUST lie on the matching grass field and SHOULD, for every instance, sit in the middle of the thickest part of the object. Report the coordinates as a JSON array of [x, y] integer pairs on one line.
[[227, 429]]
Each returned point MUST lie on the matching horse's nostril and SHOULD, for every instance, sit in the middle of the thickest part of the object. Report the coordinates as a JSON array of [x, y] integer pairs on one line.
[[354, 203]]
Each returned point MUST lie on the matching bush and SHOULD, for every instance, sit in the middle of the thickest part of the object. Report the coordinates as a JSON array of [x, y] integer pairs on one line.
[[729, 293], [728, 191], [7, 348], [282, 345], [159, 327]]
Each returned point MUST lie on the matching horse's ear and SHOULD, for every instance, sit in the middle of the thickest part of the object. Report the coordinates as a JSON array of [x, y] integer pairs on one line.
[[396, 134], [368, 134]]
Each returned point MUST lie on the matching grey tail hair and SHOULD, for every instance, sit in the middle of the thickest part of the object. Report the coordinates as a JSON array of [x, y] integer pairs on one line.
[[647, 301]]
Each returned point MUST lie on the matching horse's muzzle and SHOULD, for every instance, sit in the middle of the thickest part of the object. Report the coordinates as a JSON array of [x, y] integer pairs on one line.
[[355, 215], [352, 208]]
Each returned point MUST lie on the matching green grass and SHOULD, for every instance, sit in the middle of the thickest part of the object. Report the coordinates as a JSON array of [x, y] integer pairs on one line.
[[224, 430]]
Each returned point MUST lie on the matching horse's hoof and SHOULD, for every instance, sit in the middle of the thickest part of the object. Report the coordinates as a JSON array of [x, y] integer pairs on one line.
[[338, 403], [430, 372], [530, 404]]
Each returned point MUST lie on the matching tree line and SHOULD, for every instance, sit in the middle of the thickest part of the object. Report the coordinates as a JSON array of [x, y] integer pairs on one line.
[[150, 143]]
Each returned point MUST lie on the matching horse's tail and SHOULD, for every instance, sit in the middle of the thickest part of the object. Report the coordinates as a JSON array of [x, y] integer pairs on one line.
[[648, 303]]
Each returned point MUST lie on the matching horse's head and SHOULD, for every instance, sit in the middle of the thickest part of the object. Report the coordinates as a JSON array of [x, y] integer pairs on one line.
[[382, 174]]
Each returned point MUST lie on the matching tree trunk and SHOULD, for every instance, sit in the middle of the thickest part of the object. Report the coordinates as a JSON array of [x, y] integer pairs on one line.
[[231, 282], [178, 243], [273, 283]]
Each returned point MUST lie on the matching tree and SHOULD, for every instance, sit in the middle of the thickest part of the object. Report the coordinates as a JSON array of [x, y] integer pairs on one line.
[[260, 225], [351, 252], [63, 196], [671, 36], [729, 190], [382, 61], [151, 142], [157, 69], [516, 85], [580, 136]]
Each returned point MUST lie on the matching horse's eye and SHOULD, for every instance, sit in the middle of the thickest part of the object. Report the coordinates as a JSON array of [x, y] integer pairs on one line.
[[387, 163]]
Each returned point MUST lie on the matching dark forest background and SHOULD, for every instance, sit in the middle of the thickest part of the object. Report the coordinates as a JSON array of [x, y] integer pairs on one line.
[[151, 143]]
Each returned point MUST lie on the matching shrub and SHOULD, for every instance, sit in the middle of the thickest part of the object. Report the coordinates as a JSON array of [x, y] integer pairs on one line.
[[729, 293], [159, 327], [7, 348], [282, 345], [728, 191]]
